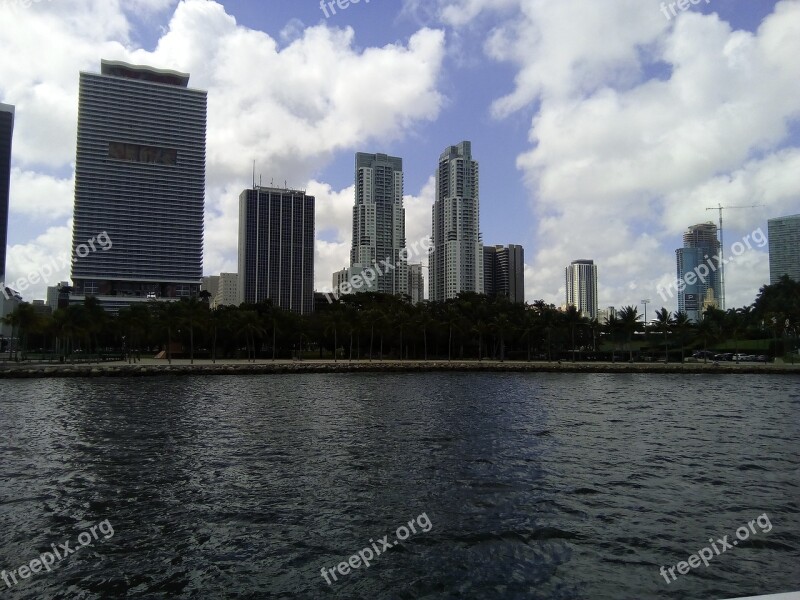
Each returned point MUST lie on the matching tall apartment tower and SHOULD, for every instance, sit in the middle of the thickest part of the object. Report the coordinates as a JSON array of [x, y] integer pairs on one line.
[[700, 245], [784, 248], [582, 287], [504, 272], [416, 284], [6, 133], [456, 258], [276, 248], [379, 222], [140, 178]]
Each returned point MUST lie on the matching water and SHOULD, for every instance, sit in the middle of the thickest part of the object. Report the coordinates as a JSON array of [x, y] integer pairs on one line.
[[534, 485]]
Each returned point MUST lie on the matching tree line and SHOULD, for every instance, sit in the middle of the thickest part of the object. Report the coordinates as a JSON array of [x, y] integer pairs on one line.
[[371, 326]]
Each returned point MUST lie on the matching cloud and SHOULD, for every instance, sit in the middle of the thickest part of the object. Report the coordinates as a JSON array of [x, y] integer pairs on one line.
[[639, 125], [290, 109]]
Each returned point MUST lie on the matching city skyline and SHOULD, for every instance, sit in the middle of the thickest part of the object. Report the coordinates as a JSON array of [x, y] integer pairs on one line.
[[524, 163]]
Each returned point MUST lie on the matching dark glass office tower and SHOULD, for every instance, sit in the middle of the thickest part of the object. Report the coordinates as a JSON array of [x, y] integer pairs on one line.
[[504, 272], [6, 132], [276, 248], [140, 178]]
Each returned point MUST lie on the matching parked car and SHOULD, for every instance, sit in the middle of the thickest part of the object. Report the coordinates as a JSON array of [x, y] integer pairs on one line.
[[762, 358], [724, 356]]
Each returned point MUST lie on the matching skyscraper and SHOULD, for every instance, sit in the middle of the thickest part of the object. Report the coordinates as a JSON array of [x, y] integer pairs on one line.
[[582, 287], [6, 133], [456, 258], [379, 222], [700, 245], [276, 248], [416, 284], [504, 272], [784, 248], [140, 178]]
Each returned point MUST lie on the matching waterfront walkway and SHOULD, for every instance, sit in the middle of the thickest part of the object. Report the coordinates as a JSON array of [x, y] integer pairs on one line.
[[154, 367]]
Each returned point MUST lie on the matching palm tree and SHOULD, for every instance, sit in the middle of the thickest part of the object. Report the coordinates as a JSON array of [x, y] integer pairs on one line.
[[682, 325], [193, 312], [248, 323], [423, 319], [167, 315], [501, 324], [629, 324], [574, 319], [664, 323]]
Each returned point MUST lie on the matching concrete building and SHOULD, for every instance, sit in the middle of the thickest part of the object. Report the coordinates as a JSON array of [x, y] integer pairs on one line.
[[210, 284], [606, 314], [700, 245], [784, 248], [139, 180], [354, 279], [456, 258], [379, 222], [581, 279], [416, 284], [55, 298], [504, 272], [227, 290], [6, 134], [276, 248], [8, 300]]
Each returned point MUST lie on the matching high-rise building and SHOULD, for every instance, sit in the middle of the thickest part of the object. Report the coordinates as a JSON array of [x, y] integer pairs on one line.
[[784, 248], [227, 290], [504, 272], [140, 179], [456, 258], [6, 133], [210, 284], [276, 248], [700, 245], [416, 284], [379, 222], [582, 287]]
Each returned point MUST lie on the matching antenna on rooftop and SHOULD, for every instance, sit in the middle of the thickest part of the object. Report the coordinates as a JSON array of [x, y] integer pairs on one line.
[[254, 174]]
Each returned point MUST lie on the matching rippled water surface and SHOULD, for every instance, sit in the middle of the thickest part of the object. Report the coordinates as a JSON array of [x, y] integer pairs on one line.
[[535, 485]]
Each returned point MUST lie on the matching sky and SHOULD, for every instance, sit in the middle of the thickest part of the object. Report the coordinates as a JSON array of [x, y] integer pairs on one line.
[[603, 128]]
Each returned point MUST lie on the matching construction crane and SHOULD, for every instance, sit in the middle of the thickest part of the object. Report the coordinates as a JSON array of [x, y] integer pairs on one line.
[[720, 208]]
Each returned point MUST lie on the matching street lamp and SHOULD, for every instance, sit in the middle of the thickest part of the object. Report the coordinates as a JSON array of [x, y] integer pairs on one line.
[[645, 302]]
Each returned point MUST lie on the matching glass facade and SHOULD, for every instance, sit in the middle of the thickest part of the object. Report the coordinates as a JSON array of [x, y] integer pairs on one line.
[[784, 248], [276, 248], [6, 133]]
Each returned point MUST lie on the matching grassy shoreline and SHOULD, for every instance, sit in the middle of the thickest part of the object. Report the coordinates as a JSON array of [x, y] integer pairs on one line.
[[151, 368]]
